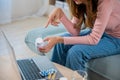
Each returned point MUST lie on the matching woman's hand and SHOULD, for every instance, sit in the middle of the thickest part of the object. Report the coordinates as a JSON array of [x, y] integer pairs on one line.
[[51, 42], [54, 17]]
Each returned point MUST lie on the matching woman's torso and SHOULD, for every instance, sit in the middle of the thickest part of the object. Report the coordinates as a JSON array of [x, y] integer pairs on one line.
[[113, 26]]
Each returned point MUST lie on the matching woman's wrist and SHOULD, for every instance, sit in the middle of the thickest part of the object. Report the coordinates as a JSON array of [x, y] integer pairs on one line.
[[60, 39]]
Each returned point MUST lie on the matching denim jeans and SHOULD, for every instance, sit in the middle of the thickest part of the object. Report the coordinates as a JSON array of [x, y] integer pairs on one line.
[[76, 56]]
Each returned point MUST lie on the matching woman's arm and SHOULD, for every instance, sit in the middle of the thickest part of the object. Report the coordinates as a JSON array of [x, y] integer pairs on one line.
[[104, 12], [69, 25], [58, 14]]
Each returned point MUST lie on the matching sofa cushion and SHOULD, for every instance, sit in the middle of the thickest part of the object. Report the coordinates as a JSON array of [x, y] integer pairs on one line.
[[107, 66]]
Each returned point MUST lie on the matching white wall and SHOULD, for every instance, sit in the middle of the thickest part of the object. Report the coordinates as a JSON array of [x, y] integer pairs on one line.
[[19, 9], [5, 11], [22, 8]]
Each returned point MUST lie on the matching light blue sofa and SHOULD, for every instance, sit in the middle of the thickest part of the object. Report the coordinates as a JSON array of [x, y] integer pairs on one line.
[[106, 68]]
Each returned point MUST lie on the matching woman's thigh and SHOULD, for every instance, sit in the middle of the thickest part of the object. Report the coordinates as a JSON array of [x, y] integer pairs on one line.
[[105, 47]]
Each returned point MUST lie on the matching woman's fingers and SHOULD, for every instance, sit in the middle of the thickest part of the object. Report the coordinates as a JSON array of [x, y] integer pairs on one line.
[[48, 22], [53, 20], [44, 49], [46, 39], [54, 17], [55, 23]]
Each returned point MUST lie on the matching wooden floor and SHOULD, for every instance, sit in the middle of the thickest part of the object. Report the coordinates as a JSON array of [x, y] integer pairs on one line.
[[16, 32]]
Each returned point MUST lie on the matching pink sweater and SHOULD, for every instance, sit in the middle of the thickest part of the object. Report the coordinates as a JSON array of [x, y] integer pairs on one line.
[[108, 20]]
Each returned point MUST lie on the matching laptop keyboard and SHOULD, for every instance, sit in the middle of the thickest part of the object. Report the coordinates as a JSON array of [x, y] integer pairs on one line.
[[29, 69], [45, 63], [37, 68]]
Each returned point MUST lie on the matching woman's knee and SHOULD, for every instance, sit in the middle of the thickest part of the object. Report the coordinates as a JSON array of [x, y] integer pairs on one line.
[[76, 59], [78, 52], [73, 53]]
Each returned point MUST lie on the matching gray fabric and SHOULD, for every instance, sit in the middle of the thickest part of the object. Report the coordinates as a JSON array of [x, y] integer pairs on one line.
[[108, 67]]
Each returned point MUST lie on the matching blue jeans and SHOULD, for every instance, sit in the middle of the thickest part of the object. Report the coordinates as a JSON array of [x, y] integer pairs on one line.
[[76, 56]]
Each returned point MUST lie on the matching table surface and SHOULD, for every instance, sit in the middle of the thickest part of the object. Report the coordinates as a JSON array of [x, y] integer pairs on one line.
[[9, 71]]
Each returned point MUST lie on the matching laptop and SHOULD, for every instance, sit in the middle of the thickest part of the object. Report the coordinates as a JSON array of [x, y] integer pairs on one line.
[[35, 68]]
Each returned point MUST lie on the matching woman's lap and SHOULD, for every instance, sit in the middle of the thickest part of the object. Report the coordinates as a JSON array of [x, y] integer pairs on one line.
[[108, 45], [82, 53]]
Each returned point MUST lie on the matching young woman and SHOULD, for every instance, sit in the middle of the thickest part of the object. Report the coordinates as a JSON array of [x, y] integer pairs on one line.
[[101, 38]]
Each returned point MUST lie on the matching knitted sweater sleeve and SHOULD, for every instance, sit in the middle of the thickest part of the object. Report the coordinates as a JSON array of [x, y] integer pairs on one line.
[[103, 14]]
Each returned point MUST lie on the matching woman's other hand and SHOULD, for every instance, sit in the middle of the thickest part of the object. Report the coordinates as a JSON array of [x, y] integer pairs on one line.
[[54, 17], [51, 42]]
